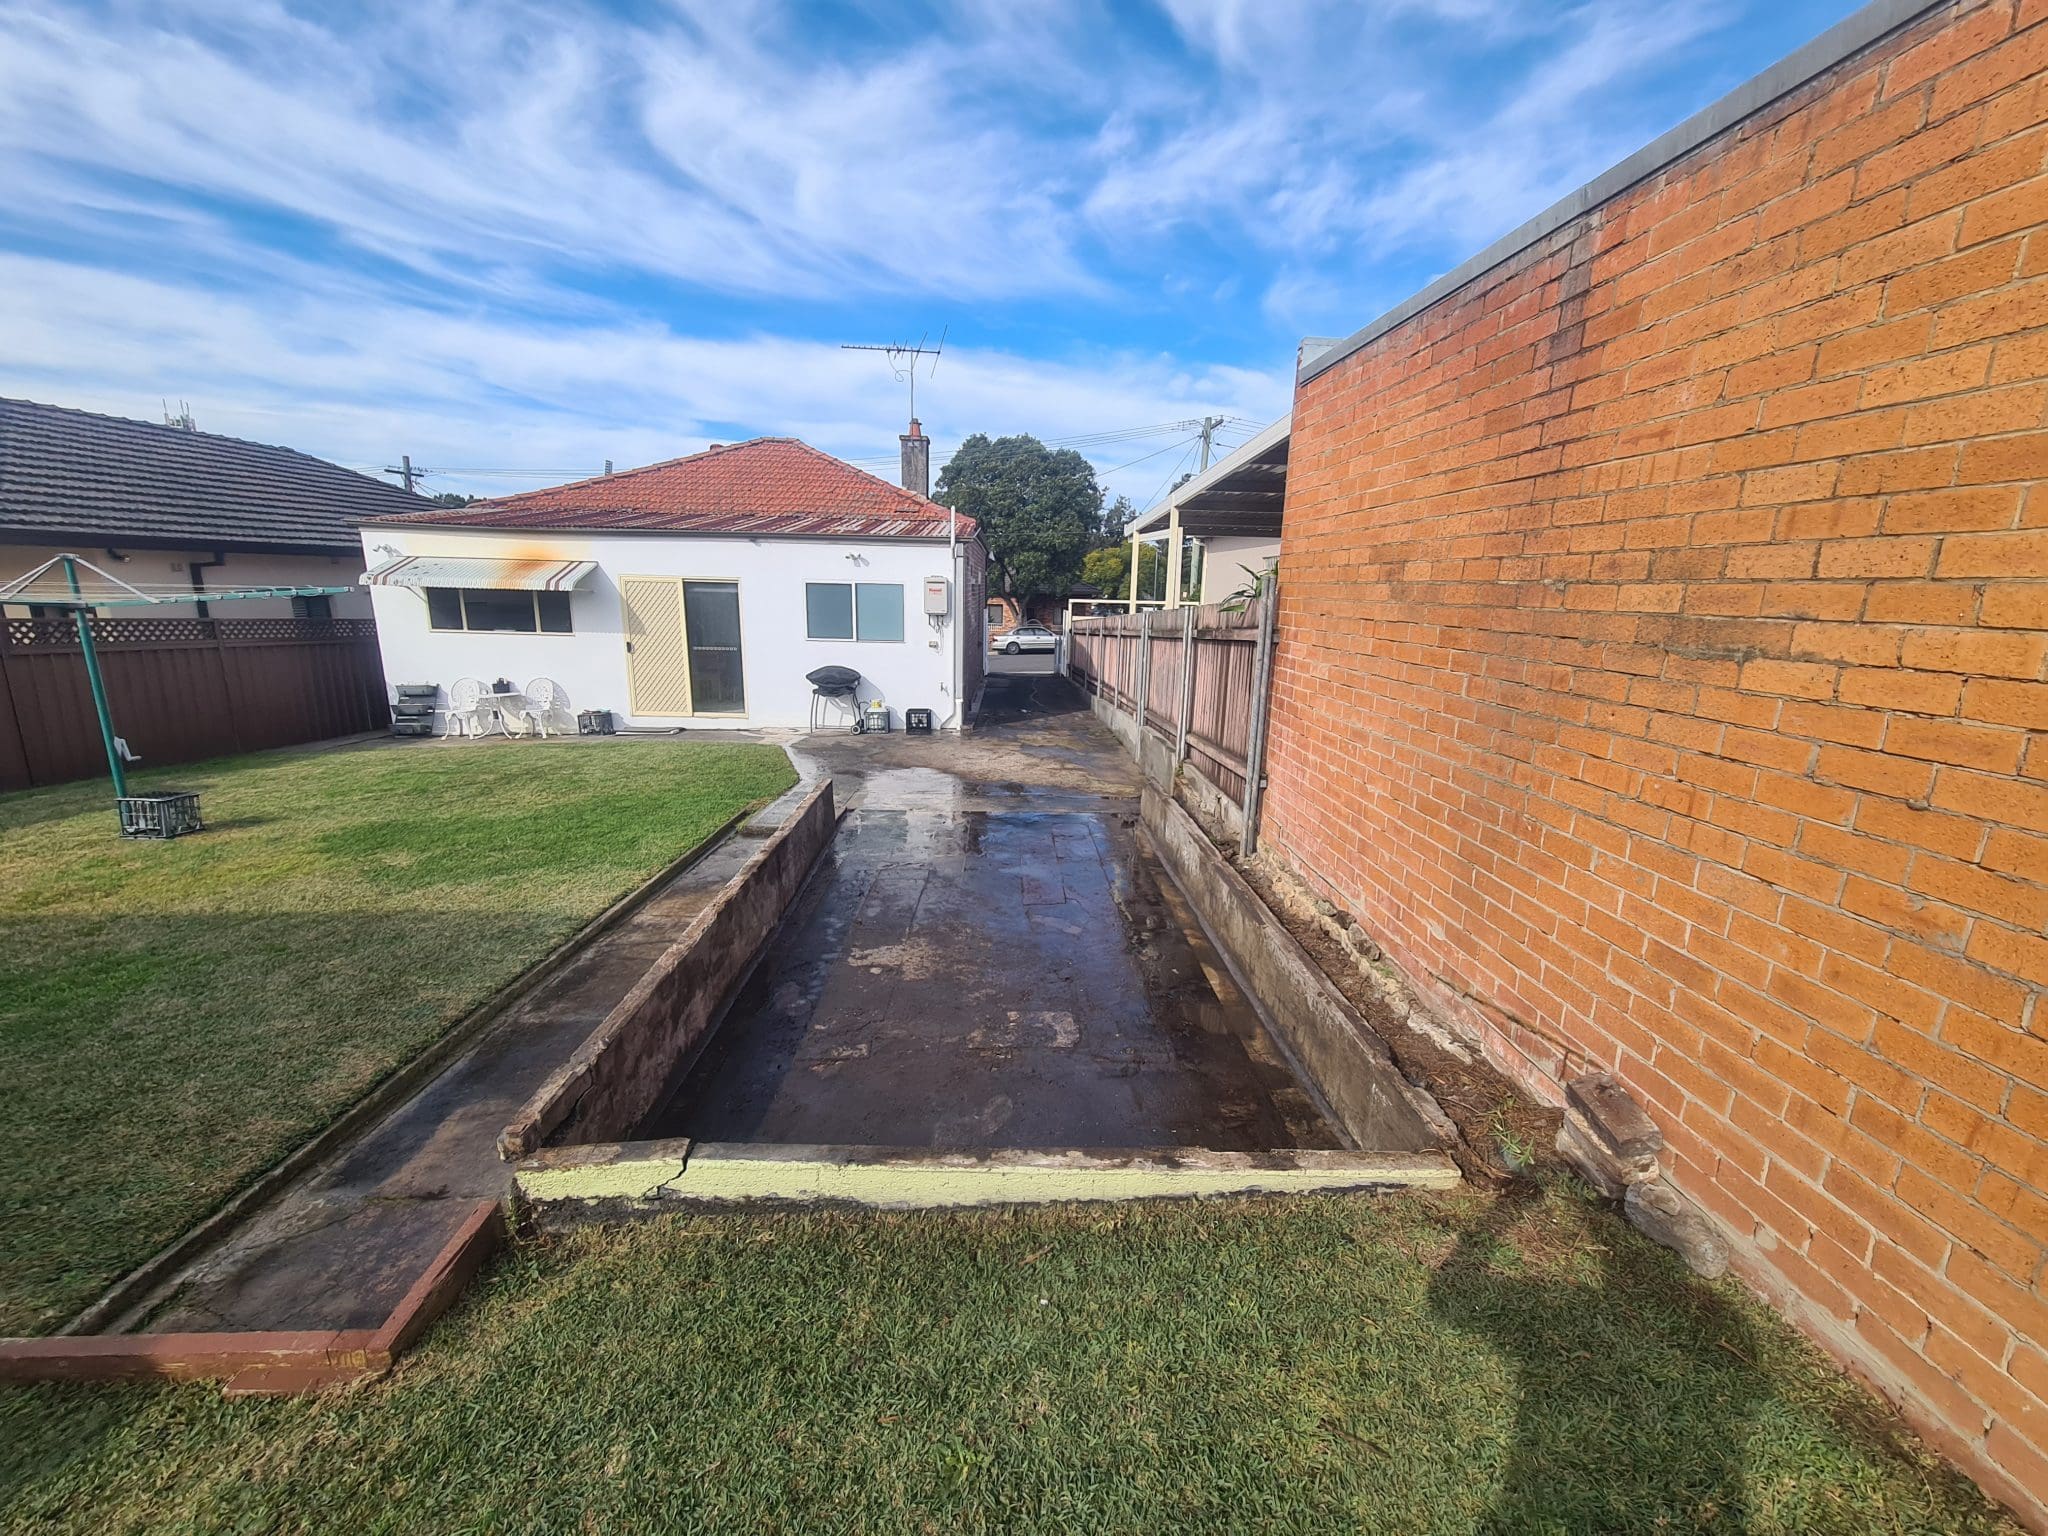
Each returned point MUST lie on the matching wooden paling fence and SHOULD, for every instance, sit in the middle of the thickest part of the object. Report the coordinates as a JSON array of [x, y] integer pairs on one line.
[[181, 690], [1197, 677]]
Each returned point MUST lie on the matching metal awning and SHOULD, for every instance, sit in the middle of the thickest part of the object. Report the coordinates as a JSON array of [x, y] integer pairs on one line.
[[503, 575]]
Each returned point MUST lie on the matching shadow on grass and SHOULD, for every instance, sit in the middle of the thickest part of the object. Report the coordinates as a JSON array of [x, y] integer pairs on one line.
[[1634, 1387]]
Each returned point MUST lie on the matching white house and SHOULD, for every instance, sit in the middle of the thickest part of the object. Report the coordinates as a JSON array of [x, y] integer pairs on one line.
[[700, 591]]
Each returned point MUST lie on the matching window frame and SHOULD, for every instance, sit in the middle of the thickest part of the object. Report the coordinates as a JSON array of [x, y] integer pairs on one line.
[[532, 594], [902, 636]]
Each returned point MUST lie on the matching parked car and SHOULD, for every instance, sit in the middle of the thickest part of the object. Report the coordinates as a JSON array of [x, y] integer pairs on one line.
[[1025, 637]]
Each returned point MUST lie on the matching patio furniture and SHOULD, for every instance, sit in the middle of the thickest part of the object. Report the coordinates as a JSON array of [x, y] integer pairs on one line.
[[543, 699], [833, 683], [467, 711]]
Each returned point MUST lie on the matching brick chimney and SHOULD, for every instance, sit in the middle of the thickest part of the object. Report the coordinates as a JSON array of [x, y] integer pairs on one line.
[[917, 460]]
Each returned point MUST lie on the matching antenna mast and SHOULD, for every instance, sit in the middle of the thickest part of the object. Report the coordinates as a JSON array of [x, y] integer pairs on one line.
[[904, 358]]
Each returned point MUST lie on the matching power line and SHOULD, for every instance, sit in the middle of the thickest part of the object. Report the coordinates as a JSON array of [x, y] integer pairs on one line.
[[1167, 484]]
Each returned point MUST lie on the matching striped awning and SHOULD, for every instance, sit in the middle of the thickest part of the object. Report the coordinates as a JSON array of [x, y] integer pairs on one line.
[[505, 575]]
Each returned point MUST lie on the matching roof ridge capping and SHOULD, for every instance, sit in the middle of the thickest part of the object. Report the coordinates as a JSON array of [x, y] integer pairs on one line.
[[901, 490], [705, 452], [1846, 38]]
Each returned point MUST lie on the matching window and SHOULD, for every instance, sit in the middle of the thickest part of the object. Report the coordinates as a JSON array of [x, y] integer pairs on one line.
[[321, 607], [863, 610], [828, 610], [878, 611], [495, 612], [994, 615]]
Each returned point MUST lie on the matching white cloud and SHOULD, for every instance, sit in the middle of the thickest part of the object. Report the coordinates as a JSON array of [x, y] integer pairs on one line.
[[360, 381], [485, 233]]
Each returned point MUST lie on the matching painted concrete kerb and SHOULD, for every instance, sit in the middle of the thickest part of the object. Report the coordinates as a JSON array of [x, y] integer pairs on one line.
[[636, 1177]]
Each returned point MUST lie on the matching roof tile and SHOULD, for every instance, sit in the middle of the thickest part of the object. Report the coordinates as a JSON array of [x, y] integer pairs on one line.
[[74, 474], [769, 485]]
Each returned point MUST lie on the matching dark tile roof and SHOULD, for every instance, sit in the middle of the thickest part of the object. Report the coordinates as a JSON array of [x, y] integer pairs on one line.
[[769, 485], [105, 480]]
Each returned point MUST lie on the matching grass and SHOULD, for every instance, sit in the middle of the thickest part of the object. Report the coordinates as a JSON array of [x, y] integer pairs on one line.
[[1322, 1364], [178, 1016]]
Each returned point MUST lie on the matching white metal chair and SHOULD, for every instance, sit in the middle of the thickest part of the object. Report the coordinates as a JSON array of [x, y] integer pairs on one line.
[[543, 702], [466, 709]]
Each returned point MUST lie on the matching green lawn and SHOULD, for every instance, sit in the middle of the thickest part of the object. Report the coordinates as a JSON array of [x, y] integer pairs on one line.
[[175, 1017], [1329, 1364]]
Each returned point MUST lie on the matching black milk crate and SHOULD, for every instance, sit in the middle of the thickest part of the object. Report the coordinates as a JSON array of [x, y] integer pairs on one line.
[[917, 720], [596, 722], [169, 813]]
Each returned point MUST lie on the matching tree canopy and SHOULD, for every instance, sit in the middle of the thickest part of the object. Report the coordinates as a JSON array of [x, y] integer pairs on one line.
[[1040, 510]]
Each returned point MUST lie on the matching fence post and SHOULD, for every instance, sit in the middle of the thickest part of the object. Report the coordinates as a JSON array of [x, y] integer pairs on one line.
[[1144, 668], [227, 683], [1187, 684], [13, 739], [1255, 740]]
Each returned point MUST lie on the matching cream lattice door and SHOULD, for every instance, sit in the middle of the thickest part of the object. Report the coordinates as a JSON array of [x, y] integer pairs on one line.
[[657, 654]]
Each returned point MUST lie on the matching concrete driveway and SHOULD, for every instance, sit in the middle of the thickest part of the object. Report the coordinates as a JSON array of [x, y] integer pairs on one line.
[[991, 956]]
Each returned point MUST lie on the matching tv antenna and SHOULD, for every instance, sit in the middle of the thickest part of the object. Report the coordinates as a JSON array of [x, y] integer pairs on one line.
[[904, 358]]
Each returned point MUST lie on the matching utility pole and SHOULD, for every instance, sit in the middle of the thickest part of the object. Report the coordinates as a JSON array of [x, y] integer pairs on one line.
[[1209, 426], [405, 460]]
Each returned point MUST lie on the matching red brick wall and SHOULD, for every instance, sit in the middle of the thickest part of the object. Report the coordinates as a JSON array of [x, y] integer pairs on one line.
[[1662, 682]]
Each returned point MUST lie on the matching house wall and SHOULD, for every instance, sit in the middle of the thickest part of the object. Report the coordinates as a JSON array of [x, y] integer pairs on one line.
[[152, 569], [1663, 676], [1227, 560], [1046, 610], [590, 664]]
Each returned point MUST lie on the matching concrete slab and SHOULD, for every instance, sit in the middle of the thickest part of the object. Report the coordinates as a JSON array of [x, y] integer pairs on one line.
[[992, 961], [338, 1248]]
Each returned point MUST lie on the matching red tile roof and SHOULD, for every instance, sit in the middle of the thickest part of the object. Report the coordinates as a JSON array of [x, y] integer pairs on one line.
[[771, 485]]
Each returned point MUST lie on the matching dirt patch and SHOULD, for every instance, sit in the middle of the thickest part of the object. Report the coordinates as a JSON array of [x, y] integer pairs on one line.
[[1504, 1137]]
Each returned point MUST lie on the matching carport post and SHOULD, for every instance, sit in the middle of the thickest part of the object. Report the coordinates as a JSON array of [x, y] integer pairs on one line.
[[1255, 743], [1144, 671], [1187, 683], [1173, 566]]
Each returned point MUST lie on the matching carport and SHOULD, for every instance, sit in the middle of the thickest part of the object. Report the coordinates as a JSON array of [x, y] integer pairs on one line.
[[1226, 517]]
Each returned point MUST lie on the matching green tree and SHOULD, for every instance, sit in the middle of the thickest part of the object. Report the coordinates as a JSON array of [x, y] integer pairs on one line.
[[1040, 510], [1108, 569]]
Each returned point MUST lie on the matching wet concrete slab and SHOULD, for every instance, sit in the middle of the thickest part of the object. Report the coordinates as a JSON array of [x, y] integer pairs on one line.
[[984, 963]]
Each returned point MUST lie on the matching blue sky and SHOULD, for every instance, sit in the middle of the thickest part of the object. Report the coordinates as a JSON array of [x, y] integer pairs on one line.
[[525, 238]]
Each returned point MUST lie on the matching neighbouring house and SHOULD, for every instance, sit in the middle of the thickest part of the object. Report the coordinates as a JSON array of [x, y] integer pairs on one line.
[[1049, 609], [168, 509], [1662, 681], [702, 590], [1219, 530]]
